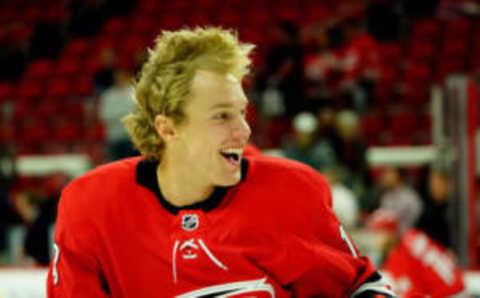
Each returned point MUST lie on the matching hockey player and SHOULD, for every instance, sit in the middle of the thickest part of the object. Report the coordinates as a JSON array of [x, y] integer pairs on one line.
[[194, 217]]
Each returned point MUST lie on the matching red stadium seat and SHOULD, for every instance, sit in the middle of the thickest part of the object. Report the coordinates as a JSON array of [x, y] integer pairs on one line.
[[6, 134], [6, 91], [67, 132], [74, 111], [78, 48], [426, 29], [7, 15], [115, 27], [33, 14], [388, 76], [421, 51], [19, 34], [315, 13], [416, 85], [126, 61], [55, 14], [95, 132], [68, 67], [389, 52], [171, 21], [58, 88], [229, 18], [206, 5], [418, 73], [102, 42], [148, 7], [92, 65], [39, 69], [399, 140], [383, 95], [288, 13], [82, 86], [372, 126], [259, 18], [416, 95], [454, 47], [200, 19], [21, 110], [142, 25], [182, 6], [30, 89], [132, 45], [449, 66], [458, 27], [47, 110], [35, 133], [403, 124]]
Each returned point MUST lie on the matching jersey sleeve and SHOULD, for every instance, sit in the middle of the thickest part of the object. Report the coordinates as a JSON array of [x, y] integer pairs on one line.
[[319, 258], [74, 270]]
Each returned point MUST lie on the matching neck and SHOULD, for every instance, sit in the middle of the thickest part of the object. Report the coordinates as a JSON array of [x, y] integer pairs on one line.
[[177, 187]]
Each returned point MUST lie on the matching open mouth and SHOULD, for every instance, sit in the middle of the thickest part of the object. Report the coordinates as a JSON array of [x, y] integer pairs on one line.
[[232, 156]]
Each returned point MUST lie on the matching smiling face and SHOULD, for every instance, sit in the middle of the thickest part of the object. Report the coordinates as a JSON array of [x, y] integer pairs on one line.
[[209, 144]]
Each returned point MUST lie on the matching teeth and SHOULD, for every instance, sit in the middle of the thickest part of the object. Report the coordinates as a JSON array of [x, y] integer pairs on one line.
[[233, 151]]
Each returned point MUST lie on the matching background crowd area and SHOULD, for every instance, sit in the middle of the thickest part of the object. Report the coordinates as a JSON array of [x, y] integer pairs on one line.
[[330, 79]]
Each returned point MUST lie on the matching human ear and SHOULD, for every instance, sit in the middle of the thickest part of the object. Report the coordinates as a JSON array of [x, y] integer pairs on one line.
[[165, 127]]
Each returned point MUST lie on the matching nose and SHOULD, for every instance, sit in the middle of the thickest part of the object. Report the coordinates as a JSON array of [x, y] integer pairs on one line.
[[241, 129]]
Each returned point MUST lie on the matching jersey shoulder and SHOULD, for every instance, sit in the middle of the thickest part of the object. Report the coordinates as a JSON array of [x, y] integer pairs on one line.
[[286, 178], [98, 185]]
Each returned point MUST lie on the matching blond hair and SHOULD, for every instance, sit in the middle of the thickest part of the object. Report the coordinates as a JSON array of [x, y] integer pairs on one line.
[[164, 83]]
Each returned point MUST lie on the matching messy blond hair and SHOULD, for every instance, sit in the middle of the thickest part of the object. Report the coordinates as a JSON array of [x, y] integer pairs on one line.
[[164, 83]]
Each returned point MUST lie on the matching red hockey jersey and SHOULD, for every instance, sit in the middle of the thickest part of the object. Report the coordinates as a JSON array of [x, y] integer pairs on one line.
[[272, 235], [420, 267]]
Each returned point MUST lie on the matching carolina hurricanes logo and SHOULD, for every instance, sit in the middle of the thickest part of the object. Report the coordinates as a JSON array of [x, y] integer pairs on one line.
[[258, 288]]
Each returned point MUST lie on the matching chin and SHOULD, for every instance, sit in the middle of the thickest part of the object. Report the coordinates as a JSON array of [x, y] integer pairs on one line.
[[229, 180]]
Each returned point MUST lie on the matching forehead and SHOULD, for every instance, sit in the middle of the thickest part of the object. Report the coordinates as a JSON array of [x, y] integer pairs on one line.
[[210, 88]]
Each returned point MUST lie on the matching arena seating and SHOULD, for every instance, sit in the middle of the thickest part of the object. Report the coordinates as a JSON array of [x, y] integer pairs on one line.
[[51, 89]]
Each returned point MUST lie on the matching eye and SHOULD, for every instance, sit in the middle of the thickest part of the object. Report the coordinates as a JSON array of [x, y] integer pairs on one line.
[[243, 112], [222, 116]]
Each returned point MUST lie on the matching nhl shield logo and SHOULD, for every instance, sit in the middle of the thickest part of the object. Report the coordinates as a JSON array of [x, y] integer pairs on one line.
[[190, 222]]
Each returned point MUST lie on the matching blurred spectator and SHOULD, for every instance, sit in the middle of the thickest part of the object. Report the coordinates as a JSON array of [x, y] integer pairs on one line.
[[284, 70], [345, 204], [399, 198], [38, 237], [115, 103], [434, 220], [360, 63], [6, 176], [104, 77], [346, 67], [350, 149], [305, 146], [14, 46], [36, 212], [421, 267]]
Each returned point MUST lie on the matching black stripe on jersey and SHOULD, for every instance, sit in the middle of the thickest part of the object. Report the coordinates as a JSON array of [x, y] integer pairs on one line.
[[146, 176], [216, 294], [373, 294]]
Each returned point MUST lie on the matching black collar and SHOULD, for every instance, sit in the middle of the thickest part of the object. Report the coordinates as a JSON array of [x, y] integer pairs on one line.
[[146, 176]]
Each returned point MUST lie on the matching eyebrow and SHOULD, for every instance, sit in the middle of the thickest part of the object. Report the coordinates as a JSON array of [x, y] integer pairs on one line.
[[224, 105]]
